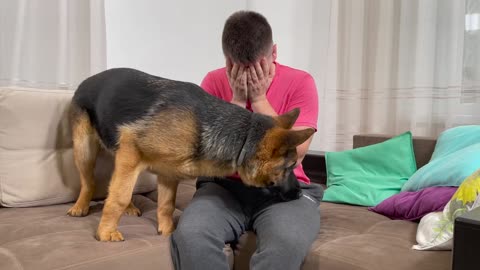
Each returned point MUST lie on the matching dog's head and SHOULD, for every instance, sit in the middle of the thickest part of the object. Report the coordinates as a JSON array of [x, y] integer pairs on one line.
[[276, 154]]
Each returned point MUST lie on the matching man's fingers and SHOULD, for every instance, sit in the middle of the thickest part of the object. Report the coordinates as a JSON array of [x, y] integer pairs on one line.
[[249, 77], [243, 78], [234, 72], [253, 74], [259, 70], [240, 72]]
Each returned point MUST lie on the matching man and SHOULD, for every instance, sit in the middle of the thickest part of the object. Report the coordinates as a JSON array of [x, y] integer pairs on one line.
[[223, 209]]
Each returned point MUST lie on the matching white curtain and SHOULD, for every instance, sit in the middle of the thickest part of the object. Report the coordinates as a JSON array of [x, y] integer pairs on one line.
[[471, 58], [381, 66], [394, 66], [51, 43]]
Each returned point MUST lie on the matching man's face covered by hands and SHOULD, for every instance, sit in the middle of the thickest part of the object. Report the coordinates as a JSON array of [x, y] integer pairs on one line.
[[251, 81]]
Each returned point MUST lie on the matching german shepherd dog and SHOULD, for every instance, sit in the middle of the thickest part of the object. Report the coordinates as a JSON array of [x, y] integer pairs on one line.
[[175, 130]]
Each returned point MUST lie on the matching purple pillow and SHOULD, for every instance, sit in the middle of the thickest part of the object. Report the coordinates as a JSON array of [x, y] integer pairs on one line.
[[413, 205]]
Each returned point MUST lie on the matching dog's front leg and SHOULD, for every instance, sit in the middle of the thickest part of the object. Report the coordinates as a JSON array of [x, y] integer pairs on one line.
[[167, 192], [127, 169]]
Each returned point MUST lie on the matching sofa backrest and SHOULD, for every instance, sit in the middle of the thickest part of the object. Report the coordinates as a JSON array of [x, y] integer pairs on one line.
[[36, 157], [422, 146]]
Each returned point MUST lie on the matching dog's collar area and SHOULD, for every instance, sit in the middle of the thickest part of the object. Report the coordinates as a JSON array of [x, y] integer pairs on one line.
[[243, 151], [241, 156]]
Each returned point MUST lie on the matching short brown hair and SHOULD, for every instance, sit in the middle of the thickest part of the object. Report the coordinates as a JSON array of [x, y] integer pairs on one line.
[[246, 37]]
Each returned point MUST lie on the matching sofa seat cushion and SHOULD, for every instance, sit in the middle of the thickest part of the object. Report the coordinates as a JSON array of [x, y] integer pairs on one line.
[[46, 238], [351, 237]]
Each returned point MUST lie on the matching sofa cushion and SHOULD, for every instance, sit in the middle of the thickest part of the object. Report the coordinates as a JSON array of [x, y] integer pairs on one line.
[[353, 238], [455, 157], [46, 238], [36, 157], [413, 205], [41, 238], [368, 175]]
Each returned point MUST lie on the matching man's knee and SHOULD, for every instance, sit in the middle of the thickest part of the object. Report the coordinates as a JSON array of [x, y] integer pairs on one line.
[[284, 252], [197, 233], [288, 243], [187, 231], [292, 244]]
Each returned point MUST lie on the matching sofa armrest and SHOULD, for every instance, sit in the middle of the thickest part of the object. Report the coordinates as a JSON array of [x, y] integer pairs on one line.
[[422, 146], [315, 167], [466, 237]]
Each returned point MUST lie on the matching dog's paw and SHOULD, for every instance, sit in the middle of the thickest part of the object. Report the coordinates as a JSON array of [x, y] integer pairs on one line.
[[114, 236], [78, 211], [166, 226], [131, 210]]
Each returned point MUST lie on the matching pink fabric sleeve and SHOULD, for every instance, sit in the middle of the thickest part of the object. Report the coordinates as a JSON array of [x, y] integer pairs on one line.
[[305, 98], [208, 84]]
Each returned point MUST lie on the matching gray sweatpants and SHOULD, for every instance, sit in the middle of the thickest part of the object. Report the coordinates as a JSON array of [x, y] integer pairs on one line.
[[222, 210]]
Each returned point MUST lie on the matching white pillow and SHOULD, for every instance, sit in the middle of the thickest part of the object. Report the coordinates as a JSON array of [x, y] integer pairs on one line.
[[435, 231], [36, 157]]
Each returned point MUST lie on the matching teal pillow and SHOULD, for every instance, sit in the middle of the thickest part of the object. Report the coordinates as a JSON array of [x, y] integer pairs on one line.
[[368, 175], [454, 139], [456, 156]]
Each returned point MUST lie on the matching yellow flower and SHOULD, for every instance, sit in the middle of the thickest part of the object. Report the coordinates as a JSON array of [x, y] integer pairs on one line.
[[469, 189]]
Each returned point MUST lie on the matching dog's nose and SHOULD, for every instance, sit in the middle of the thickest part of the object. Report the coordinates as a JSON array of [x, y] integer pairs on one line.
[[271, 183]]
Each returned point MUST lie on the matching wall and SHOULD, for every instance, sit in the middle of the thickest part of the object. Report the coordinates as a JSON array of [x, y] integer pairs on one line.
[[182, 39]]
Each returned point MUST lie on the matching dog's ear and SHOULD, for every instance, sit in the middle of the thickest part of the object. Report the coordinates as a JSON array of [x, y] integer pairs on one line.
[[296, 137], [287, 120]]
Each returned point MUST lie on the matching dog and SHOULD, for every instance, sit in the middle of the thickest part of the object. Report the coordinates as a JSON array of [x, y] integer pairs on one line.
[[175, 130]]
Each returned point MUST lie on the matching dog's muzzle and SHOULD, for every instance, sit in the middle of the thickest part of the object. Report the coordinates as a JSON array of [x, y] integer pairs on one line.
[[289, 189]]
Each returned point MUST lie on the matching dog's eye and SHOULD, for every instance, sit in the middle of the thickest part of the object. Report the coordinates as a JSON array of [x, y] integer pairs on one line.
[[286, 166]]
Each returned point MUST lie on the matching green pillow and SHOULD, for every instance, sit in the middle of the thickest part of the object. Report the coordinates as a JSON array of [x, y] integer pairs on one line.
[[368, 175]]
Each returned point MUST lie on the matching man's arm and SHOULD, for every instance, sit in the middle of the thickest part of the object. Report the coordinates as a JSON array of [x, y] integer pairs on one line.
[[263, 106]]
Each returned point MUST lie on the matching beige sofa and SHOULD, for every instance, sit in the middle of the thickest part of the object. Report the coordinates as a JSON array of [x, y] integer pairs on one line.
[[38, 184]]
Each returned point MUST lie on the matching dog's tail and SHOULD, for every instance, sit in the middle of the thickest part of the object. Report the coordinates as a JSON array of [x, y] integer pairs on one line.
[[86, 145]]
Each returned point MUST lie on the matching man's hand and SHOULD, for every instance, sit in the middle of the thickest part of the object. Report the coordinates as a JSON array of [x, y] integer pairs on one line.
[[259, 78], [237, 78]]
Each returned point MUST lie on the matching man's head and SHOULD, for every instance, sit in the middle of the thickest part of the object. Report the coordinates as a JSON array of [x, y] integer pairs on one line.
[[247, 37]]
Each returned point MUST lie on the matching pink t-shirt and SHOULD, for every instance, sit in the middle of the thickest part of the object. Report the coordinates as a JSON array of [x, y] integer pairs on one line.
[[290, 88]]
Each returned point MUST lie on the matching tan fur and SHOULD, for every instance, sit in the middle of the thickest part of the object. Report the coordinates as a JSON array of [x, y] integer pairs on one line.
[[288, 119], [85, 146], [169, 151], [271, 153], [128, 165], [132, 210], [167, 192]]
